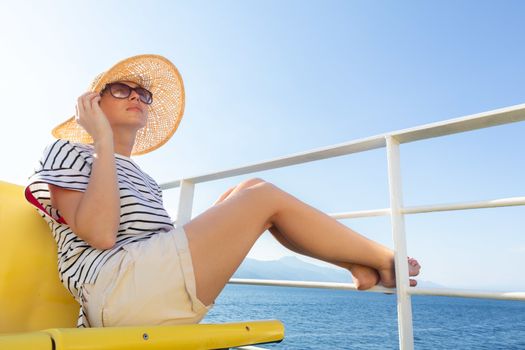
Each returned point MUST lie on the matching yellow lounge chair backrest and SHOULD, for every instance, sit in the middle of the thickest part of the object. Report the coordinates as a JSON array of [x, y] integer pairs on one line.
[[31, 295]]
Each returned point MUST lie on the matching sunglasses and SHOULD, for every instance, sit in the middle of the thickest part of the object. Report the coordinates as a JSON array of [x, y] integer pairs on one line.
[[121, 90]]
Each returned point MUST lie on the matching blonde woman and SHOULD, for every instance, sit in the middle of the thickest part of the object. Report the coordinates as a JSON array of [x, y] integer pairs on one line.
[[119, 253]]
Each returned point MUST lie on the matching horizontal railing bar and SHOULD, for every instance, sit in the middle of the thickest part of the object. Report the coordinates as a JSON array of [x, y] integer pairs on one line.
[[414, 291], [503, 202], [471, 122], [299, 158], [494, 203], [361, 214], [447, 127], [468, 293], [171, 184], [306, 284]]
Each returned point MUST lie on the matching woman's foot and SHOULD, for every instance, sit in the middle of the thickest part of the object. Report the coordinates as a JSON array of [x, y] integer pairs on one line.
[[388, 277]]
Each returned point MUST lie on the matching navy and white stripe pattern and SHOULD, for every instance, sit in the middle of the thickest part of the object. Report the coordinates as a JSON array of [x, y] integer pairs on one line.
[[142, 214]]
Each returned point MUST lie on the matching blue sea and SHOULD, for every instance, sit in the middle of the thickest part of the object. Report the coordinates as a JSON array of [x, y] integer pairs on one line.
[[339, 319]]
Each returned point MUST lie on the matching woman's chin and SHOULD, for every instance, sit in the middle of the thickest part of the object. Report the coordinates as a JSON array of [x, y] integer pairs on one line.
[[138, 119]]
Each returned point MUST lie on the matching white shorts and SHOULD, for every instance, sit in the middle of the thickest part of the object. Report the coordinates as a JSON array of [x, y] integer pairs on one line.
[[150, 282]]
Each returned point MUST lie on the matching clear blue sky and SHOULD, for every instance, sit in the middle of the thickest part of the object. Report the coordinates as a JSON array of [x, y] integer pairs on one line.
[[270, 78]]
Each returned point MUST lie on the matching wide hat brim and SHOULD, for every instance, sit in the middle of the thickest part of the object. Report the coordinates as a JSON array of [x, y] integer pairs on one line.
[[158, 75]]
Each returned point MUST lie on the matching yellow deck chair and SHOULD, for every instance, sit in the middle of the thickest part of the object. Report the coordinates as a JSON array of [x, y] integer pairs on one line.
[[37, 312]]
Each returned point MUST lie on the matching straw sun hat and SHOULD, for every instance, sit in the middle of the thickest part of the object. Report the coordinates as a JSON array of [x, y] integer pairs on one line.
[[158, 75]]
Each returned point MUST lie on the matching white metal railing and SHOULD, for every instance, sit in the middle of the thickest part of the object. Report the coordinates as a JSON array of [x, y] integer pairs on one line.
[[413, 291], [391, 141]]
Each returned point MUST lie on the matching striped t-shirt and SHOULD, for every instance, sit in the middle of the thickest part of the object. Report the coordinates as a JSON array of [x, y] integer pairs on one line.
[[142, 215]]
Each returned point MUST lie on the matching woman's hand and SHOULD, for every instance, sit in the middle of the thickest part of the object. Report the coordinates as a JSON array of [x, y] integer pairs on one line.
[[101, 200], [91, 117]]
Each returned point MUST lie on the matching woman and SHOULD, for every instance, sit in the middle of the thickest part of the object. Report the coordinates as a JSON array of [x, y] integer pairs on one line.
[[120, 255]]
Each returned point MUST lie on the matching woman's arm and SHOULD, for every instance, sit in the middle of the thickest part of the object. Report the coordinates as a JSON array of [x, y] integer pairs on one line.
[[94, 215]]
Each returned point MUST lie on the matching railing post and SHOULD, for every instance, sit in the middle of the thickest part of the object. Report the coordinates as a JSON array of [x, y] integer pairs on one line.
[[404, 305], [185, 202]]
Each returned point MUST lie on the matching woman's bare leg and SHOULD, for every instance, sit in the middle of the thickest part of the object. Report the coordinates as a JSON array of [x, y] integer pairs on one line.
[[364, 277], [221, 237]]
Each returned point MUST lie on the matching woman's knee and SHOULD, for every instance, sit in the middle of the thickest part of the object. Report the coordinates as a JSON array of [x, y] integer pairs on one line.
[[264, 193], [267, 197], [251, 182], [263, 187]]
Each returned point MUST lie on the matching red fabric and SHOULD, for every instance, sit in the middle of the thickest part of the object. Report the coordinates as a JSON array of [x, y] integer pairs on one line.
[[31, 199]]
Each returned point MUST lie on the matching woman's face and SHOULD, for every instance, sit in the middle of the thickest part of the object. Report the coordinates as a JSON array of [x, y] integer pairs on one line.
[[124, 112]]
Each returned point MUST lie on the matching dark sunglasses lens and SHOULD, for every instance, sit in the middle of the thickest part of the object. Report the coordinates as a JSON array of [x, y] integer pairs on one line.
[[145, 95], [120, 90]]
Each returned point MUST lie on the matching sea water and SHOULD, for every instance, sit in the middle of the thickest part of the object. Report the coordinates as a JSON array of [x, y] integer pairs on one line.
[[340, 319]]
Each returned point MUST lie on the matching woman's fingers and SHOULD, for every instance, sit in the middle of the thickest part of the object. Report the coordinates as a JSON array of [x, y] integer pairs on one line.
[[95, 103], [81, 108], [81, 101], [88, 100], [90, 116]]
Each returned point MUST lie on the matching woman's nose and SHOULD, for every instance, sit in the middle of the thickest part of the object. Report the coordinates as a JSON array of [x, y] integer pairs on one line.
[[134, 95]]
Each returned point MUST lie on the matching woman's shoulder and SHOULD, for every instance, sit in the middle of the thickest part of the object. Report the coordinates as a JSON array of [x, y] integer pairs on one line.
[[63, 145], [62, 161], [61, 152]]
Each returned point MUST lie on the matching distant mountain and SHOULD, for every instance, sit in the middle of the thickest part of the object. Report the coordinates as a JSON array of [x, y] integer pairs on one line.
[[292, 268]]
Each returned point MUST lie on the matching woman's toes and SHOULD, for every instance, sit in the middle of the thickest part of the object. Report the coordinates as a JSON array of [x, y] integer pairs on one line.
[[413, 267], [388, 278]]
